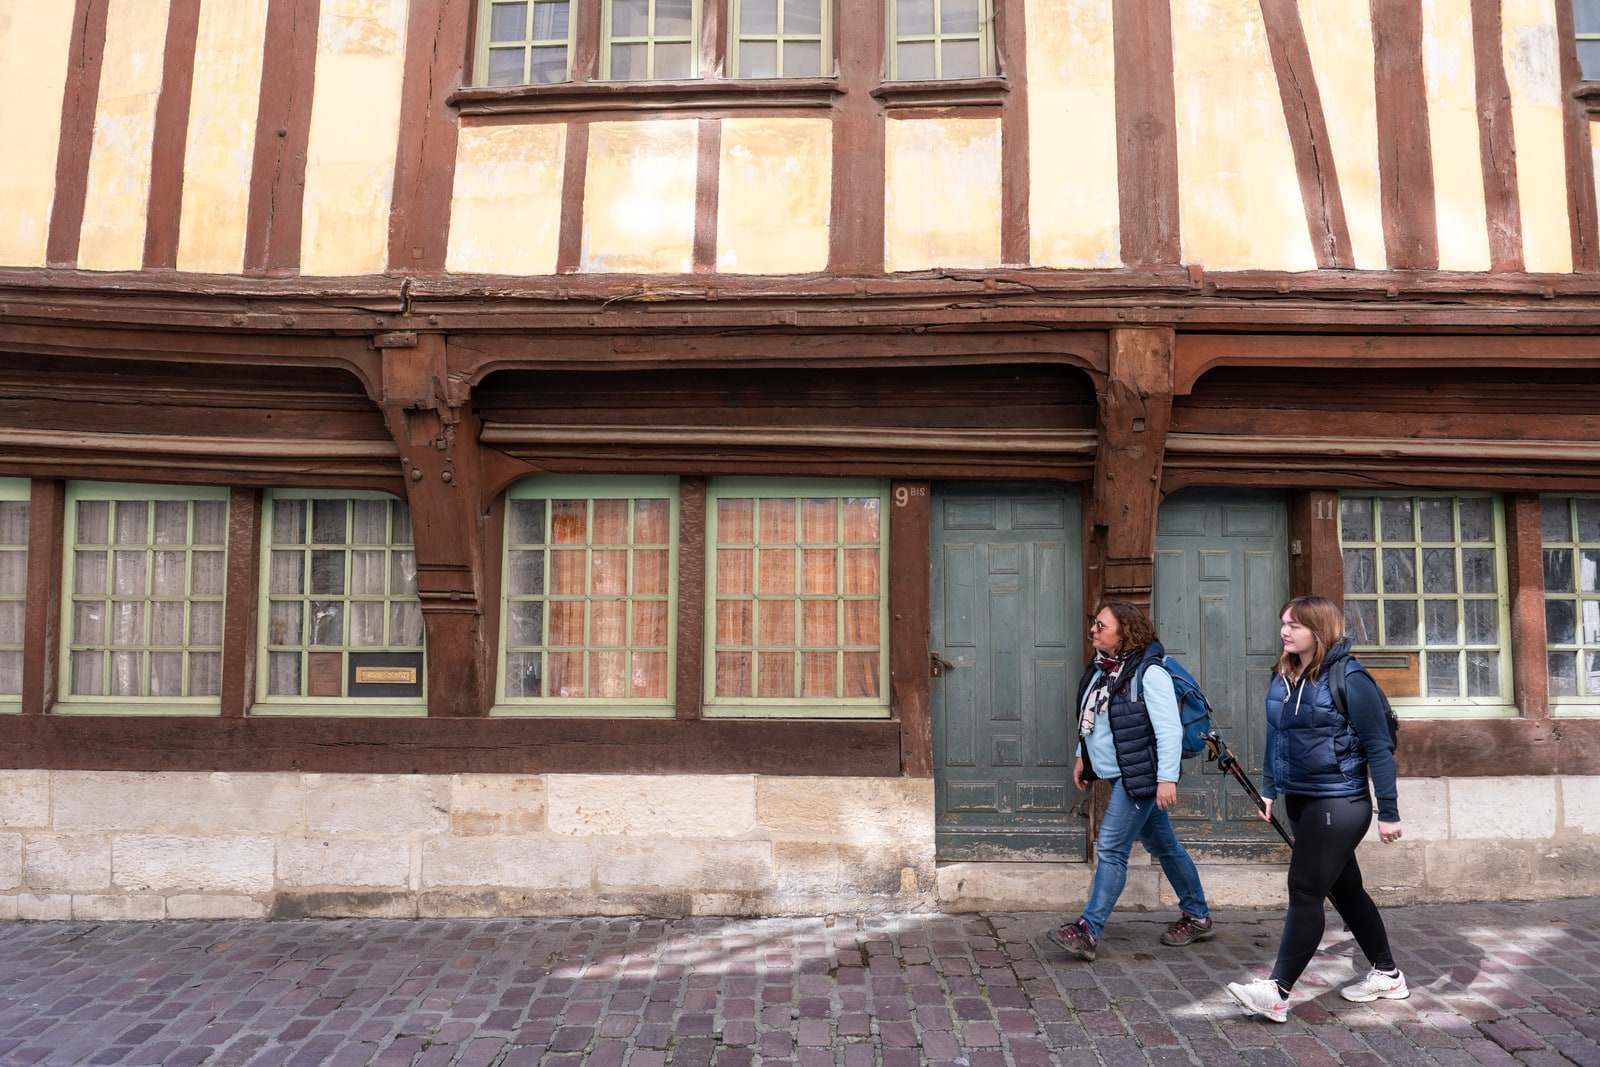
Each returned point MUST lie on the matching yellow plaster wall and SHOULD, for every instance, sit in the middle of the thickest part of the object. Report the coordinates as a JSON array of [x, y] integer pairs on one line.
[[638, 197], [773, 195], [1533, 70], [355, 126], [1339, 34], [942, 200], [1594, 156], [222, 133], [34, 36], [118, 197], [1073, 204], [1449, 73], [1239, 193], [505, 215]]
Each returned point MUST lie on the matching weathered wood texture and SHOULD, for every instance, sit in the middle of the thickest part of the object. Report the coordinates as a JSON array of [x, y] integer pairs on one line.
[[241, 603], [283, 136], [909, 622], [691, 593], [1497, 141], [46, 529], [859, 172], [419, 219], [78, 106], [1135, 408], [1581, 207], [1405, 155], [453, 746], [1147, 132], [171, 136], [1530, 678], [1308, 134], [1316, 565], [1011, 44]]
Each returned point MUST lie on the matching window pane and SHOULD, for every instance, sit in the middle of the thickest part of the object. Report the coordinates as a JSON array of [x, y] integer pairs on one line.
[[961, 59], [1441, 623], [569, 522], [914, 60], [525, 522], [674, 60], [802, 59], [758, 59], [1477, 519], [171, 522], [13, 573], [1360, 576], [1483, 673], [127, 624], [166, 623], [775, 623], [205, 624], [327, 573], [1436, 517], [674, 18], [547, 64], [630, 18], [1355, 519], [1443, 674], [1396, 519], [1477, 570], [818, 674], [1589, 570], [1361, 621], [522, 675], [733, 675], [1586, 16], [775, 674], [802, 16], [1562, 670], [550, 20], [525, 622], [526, 573], [132, 522], [1400, 622], [758, 16], [508, 22], [128, 573], [170, 574], [13, 522], [913, 17], [328, 522], [1588, 509], [1482, 618], [777, 571], [1438, 570], [958, 16], [1399, 571], [650, 623], [366, 623], [11, 673], [405, 623], [1555, 519]]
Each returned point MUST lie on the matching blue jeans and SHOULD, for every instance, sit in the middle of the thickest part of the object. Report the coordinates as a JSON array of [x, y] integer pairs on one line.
[[1127, 820]]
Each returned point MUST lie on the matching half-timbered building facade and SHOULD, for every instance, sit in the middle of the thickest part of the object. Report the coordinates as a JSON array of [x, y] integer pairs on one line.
[[502, 457]]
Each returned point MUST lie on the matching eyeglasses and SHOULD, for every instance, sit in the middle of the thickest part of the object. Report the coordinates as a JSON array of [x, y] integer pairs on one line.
[[1096, 624]]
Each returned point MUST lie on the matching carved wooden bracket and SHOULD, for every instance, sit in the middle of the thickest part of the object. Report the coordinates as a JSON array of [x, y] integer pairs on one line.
[[1135, 405]]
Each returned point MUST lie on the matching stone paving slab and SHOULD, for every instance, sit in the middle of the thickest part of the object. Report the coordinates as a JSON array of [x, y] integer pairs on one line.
[[1492, 984]]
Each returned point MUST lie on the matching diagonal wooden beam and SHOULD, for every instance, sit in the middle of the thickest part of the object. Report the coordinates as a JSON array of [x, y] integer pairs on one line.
[[1308, 134]]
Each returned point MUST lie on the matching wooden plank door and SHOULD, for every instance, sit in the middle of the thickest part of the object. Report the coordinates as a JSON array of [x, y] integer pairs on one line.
[[1221, 576], [1007, 620]]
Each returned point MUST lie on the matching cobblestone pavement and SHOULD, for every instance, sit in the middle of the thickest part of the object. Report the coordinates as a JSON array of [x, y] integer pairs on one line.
[[1492, 984]]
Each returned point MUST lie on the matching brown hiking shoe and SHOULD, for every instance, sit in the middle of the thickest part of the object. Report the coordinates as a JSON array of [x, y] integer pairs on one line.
[[1187, 930]]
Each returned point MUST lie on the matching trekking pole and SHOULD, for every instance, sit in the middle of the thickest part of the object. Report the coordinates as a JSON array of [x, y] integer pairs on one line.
[[1217, 751]]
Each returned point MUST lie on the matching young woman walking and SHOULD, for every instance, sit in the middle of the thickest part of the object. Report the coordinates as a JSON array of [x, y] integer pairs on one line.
[[1317, 763]]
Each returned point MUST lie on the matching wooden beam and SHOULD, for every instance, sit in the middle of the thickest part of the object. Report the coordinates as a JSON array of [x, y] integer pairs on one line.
[[1135, 407], [79, 102], [1530, 677], [41, 653], [170, 141], [1308, 134], [1147, 132], [437, 32], [856, 235], [708, 162], [241, 604], [283, 137], [691, 647], [1405, 153], [1497, 142], [910, 512], [1011, 43]]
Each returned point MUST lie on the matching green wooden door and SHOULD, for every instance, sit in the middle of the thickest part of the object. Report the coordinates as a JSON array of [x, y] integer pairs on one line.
[[1221, 576], [1007, 618]]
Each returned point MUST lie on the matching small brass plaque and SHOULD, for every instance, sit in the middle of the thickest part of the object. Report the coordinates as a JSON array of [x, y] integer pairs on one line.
[[386, 675]]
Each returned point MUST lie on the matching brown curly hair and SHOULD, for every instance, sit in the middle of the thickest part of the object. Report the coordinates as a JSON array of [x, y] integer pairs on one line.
[[1133, 625]]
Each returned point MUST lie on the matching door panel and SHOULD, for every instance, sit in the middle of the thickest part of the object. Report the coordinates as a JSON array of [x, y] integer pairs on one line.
[[1221, 574], [1005, 616]]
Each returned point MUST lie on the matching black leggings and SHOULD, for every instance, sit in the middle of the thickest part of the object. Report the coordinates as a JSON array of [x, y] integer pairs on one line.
[[1323, 864]]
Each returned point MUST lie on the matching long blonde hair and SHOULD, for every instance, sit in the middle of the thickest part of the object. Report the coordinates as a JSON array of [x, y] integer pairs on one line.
[[1325, 621]]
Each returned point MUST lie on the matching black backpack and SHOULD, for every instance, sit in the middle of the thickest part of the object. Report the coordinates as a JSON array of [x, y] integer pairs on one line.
[[1338, 679]]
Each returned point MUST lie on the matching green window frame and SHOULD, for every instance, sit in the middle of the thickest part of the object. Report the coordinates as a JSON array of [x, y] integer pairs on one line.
[[14, 495], [935, 40], [649, 40], [781, 39], [1586, 24], [524, 42], [1569, 533], [143, 582], [340, 621], [588, 619], [797, 605], [1424, 576]]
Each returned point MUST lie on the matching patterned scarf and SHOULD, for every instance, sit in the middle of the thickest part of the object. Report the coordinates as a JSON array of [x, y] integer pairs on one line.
[[1098, 698]]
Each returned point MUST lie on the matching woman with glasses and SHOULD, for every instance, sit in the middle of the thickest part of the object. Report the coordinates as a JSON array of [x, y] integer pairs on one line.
[[1130, 733]]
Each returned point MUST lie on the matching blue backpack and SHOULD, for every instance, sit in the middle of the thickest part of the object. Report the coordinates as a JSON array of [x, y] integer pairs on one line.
[[1194, 710]]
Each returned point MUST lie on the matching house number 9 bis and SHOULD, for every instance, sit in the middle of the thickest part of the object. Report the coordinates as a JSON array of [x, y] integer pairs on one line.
[[904, 493]]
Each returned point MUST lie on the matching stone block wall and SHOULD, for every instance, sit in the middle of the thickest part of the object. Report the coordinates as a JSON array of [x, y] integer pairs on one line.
[[113, 845]]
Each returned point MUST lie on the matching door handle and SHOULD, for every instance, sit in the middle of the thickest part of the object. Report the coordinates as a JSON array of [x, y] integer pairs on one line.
[[937, 664]]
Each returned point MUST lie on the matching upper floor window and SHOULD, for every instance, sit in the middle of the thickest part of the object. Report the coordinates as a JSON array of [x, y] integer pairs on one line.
[[797, 575], [1586, 20], [649, 40], [341, 616], [525, 42], [145, 582], [780, 39], [1570, 536], [1422, 580], [13, 587], [940, 39]]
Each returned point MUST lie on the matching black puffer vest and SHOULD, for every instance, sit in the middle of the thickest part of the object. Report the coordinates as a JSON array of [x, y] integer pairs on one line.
[[1131, 729]]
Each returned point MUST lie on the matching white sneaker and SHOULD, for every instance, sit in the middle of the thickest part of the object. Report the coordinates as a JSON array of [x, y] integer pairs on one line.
[[1377, 984], [1262, 998]]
